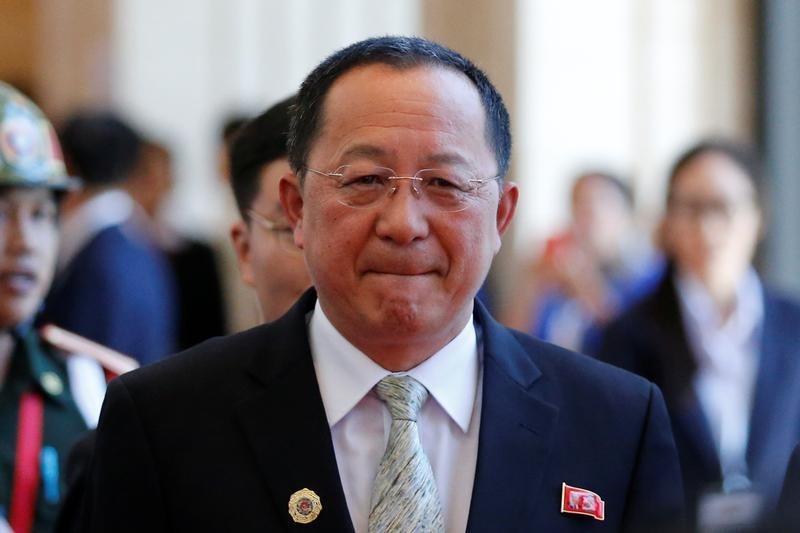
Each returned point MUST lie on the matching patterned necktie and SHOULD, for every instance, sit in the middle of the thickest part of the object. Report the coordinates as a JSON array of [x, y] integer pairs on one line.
[[404, 496]]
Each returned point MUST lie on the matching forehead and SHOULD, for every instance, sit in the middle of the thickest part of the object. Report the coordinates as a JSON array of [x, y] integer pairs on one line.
[[431, 110], [714, 175], [26, 194]]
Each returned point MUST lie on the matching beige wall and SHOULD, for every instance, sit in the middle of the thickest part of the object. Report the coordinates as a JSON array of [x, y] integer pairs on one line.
[[73, 54], [57, 50], [17, 20]]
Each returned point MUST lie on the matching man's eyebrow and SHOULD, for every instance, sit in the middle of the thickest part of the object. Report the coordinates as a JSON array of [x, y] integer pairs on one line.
[[373, 151], [448, 158], [364, 150]]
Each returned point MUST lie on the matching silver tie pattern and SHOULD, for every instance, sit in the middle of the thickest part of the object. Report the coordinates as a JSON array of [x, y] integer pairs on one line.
[[404, 496]]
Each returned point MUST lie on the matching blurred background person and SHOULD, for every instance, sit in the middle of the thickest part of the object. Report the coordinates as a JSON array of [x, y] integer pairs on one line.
[[51, 384], [788, 512], [112, 284], [599, 265], [241, 305], [200, 309], [723, 348], [269, 261]]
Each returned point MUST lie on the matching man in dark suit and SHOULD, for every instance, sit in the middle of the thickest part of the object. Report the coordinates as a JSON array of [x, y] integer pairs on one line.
[[112, 284], [284, 426], [269, 261], [788, 513], [721, 346]]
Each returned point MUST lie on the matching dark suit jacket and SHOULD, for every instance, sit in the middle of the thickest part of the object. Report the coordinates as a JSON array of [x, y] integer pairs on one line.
[[200, 309], [119, 291], [650, 340], [788, 514], [219, 437]]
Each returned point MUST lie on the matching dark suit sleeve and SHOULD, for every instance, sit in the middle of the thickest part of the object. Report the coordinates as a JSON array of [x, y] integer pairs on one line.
[[618, 346], [655, 498], [788, 508], [124, 493]]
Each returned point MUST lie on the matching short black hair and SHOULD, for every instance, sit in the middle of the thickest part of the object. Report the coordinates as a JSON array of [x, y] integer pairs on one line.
[[99, 146], [741, 154], [230, 126], [401, 53], [258, 142]]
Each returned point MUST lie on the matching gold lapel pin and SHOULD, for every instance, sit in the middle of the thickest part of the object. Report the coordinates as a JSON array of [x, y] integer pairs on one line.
[[304, 506]]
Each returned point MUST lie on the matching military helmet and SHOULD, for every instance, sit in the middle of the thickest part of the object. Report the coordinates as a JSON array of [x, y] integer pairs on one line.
[[30, 155]]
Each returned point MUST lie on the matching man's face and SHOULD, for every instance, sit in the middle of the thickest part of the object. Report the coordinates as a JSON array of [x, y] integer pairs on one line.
[[601, 216], [400, 273], [269, 260], [29, 243], [713, 222]]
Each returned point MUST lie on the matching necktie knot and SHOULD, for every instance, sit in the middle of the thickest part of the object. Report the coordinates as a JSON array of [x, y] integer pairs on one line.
[[403, 396]]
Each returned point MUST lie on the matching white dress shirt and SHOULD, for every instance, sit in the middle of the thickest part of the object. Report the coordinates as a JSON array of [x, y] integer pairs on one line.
[[359, 421], [727, 352]]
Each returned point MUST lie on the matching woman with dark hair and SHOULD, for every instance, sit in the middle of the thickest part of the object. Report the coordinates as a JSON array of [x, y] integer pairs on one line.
[[723, 347]]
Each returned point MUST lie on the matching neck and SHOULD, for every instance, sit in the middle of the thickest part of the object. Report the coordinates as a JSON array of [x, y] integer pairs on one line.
[[400, 353], [723, 292]]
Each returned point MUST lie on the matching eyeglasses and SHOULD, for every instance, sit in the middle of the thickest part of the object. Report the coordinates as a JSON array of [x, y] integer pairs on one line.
[[282, 230], [696, 209], [362, 186]]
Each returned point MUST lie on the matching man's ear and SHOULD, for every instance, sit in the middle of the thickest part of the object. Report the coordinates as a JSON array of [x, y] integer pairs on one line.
[[291, 196], [507, 206], [240, 238]]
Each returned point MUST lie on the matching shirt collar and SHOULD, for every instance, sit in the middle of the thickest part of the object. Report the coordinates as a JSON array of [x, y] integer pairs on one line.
[[346, 375]]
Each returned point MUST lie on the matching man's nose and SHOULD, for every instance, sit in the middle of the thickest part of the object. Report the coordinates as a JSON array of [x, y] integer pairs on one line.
[[19, 232], [403, 217]]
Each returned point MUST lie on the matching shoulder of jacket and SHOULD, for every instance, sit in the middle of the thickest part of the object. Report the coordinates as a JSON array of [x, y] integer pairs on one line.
[[74, 344]]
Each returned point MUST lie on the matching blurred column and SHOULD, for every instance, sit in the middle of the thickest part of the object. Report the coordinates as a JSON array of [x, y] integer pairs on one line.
[[780, 137]]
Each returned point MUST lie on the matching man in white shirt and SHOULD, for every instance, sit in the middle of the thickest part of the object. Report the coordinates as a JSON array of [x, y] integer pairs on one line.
[[387, 399]]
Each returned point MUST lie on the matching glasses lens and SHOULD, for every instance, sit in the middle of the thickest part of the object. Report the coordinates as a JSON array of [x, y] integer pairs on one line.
[[279, 230], [446, 190], [362, 185], [366, 185]]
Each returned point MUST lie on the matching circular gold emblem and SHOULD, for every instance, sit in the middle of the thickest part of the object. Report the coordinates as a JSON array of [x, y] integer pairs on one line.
[[304, 506], [51, 383]]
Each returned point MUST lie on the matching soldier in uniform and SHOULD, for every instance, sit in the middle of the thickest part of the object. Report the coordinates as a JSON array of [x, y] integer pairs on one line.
[[52, 382]]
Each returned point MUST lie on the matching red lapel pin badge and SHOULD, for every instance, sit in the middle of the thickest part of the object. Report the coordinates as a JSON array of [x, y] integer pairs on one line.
[[575, 500]]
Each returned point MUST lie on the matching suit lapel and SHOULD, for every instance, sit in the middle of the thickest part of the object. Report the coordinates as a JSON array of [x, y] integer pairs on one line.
[[773, 417], [515, 434], [284, 421]]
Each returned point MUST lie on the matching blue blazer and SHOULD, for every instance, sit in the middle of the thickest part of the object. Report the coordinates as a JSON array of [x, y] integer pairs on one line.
[[118, 291], [650, 340], [218, 438], [787, 516]]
